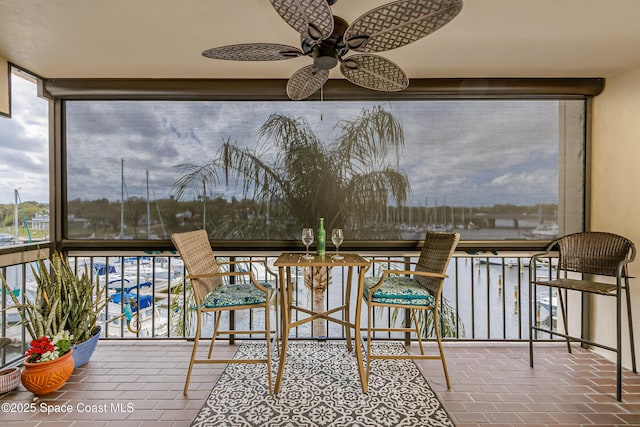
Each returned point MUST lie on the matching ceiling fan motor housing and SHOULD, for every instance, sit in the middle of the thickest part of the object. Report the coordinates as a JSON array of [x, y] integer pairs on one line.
[[326, 53]]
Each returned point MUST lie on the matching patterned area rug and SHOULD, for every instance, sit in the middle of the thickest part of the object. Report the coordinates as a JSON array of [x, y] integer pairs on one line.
[[321, 387]]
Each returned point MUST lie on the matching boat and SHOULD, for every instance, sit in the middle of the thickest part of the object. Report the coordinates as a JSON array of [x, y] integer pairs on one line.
[[101, 269], [133, 300], [136, 272], [515, 261], [546, 231], [543, 304], [507, 261], [139, 314], [137, 292], [124, 285]]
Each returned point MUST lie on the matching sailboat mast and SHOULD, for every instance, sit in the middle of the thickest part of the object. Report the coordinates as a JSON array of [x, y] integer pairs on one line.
[[148, 210], [453, 220], [426, 211], [121, 198], [435, 210], [15, 216], [444, 211]]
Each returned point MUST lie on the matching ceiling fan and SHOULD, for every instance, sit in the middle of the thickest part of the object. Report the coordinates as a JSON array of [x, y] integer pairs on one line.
[[328, 39]]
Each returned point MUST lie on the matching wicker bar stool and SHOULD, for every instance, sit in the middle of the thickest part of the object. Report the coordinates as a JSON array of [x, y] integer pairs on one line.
[[414, 290], [589, 254], [215, 293]]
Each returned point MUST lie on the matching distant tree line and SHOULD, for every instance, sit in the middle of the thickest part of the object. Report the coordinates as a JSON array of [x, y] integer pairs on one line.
[[248, 219], [30, 210]]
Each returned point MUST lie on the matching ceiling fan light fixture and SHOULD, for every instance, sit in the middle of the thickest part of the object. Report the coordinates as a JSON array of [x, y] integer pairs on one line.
[[314, 32], [325, 57], [351, 64], [290, 53], [357, 42]]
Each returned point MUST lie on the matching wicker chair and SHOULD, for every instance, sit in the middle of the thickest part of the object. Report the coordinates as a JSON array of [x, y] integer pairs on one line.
[[591, 254], [215, 295], [5, 342], [420, 289]]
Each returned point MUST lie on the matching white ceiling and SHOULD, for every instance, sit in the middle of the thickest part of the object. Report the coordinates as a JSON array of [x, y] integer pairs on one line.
[[165, 38]]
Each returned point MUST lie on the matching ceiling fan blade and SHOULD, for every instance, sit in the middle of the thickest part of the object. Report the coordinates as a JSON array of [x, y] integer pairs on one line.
[[305, 82], [311, 18], [253, 52], [399, 23], [374, 72]]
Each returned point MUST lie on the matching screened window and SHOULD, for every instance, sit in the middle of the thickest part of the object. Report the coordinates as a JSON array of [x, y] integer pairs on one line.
[[24, 165], [261, 170]]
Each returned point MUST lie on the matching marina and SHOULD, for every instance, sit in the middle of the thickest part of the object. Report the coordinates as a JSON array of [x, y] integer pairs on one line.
[[486, 294]]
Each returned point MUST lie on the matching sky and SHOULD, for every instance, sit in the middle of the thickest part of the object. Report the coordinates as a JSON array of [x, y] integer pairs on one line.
[[455, 153], [24, 139], [472, 153]]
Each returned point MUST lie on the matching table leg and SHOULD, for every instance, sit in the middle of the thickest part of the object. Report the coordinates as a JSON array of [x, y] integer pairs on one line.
[[346, 313], [363, 376], [289, 292], [284, 307]]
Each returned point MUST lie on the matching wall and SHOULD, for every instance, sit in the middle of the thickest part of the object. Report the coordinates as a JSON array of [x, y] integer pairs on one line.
[[5, 106], [615, 195]]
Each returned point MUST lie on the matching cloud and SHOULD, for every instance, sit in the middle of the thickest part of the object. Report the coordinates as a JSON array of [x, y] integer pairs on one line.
[[475, 152], [24, 145]]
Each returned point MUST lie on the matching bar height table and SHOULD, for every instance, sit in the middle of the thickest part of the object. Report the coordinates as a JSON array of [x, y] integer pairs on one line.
[[350, 260]]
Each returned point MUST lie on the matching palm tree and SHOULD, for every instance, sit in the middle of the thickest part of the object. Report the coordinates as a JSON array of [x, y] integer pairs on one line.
[[349, 182]]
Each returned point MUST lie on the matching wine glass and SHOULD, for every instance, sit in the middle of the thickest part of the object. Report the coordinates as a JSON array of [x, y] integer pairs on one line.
[[337, 237], [307, 239]]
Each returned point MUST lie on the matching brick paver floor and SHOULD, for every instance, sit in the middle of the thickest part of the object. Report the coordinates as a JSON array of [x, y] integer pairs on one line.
[[139, 383]]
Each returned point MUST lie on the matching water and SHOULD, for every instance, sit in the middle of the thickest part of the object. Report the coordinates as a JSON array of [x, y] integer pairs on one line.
[[504, 230], [490, 299]]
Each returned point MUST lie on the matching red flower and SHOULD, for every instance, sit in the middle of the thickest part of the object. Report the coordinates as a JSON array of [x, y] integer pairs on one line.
[[38, 347]]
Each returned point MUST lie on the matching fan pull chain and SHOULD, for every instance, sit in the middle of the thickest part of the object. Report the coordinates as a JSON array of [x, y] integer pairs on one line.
[[321, 100]]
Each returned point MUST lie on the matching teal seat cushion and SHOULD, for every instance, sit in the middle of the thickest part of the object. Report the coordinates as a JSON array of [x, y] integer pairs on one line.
[[397, 290], [237, 294]]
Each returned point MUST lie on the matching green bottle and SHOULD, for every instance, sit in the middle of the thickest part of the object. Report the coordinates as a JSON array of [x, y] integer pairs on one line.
[[322, 238]]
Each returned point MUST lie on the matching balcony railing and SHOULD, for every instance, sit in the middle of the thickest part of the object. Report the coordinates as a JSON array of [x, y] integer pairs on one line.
[[485, 297]]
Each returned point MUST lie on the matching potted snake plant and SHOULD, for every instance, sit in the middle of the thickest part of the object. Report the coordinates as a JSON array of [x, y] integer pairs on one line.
[[65, 300]]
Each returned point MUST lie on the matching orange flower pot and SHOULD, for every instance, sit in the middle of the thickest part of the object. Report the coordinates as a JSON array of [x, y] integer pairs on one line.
[[47, 377]]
